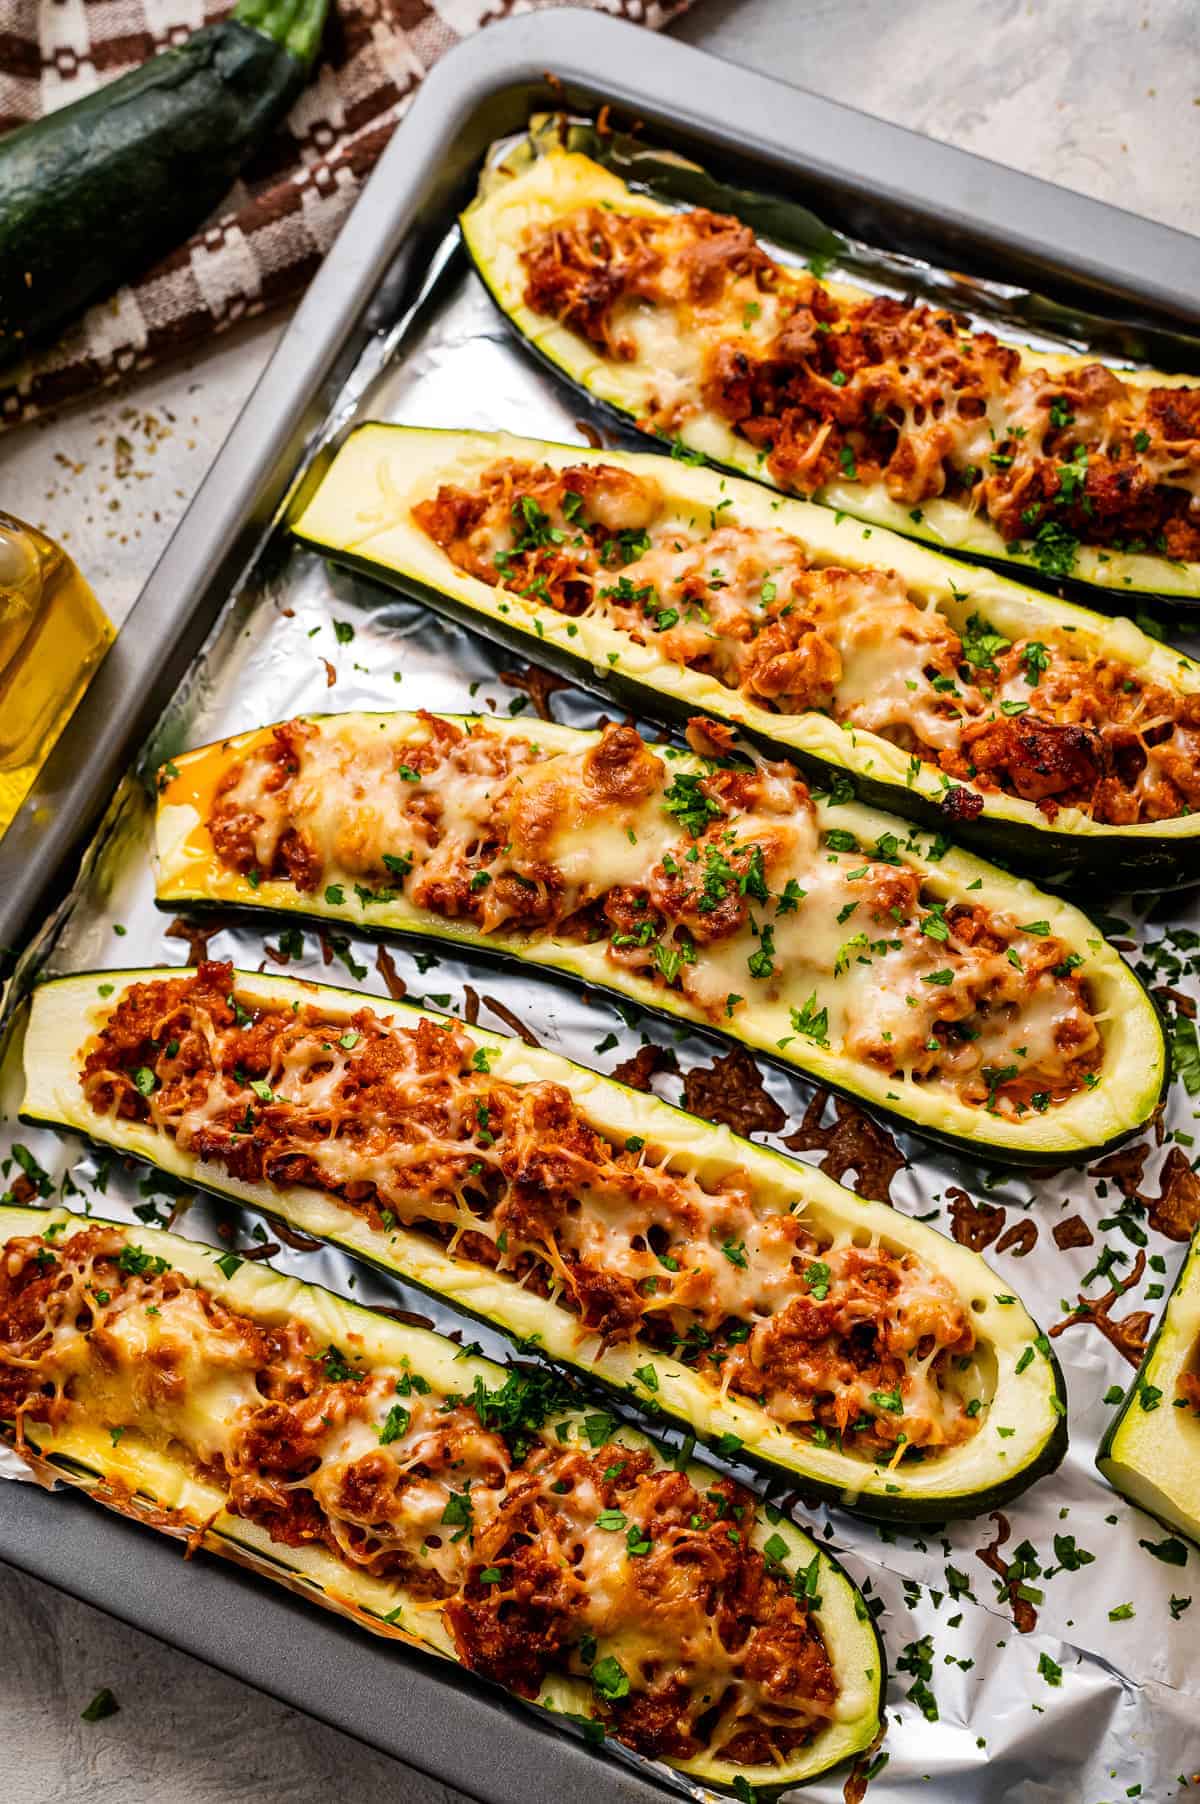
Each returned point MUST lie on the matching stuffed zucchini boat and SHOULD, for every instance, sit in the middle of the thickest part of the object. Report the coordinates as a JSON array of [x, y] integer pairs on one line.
[[900, 971], [470, 1509], [663, 1255], [1151, 1451], [1058, 739], [899, 414]]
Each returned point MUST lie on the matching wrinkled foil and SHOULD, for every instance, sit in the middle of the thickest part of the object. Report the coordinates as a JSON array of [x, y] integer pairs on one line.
[[1099, 1696]]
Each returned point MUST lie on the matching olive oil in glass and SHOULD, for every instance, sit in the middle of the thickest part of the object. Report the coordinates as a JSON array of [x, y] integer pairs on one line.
[[53, 634]]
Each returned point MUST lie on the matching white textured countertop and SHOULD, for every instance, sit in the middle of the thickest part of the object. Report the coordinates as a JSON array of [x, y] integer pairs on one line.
[[1103, 97]]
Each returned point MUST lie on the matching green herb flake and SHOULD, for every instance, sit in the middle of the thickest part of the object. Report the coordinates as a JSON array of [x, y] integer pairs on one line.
[[395, 1424], [102, 1705]]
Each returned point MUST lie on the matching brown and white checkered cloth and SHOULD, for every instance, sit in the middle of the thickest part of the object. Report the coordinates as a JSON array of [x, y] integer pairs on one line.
[[277, 223]]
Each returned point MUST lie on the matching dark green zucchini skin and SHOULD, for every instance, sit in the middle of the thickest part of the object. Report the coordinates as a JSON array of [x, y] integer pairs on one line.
[[93, 193], [975, 1148], [1108, 863]]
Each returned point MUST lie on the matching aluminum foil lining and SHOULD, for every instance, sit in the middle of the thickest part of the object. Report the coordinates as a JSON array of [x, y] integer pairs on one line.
[[1095, 1694]]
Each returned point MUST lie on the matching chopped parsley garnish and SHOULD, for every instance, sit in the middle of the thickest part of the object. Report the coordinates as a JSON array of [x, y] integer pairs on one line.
[[934, 925], [1070, 1556], [610, 1678], [1171, 1552], [1055, 549], [1185, 1053], [598, 1429], [817, 1277], [761, 963], [812, 1022], [688, 803], [519, 1407], [532, 525], [1035, 658], [395, 1424], [917, 1658], [994, 1076], [457, 1513], [338, 1369], [981, 643], [135, 1263]]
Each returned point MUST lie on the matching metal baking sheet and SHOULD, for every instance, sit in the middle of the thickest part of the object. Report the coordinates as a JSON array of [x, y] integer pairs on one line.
[[1082, 1705]]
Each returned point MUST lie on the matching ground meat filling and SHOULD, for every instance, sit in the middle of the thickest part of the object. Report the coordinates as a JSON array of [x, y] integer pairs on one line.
[[543, 1555], [716, 884], [1036, 718], [877, 390], [863, 1346]]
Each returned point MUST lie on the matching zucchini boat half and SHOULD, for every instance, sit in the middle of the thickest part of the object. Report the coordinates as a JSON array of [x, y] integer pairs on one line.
[[1151, 1451], [1055, 738], [663, 1255], [429, 1495], [897, 414], [891, 967]]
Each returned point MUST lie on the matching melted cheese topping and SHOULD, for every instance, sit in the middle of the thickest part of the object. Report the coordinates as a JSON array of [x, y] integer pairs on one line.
[[1051, 720], [717, 884], [408, 1125], [539, 1550], [868, 390]]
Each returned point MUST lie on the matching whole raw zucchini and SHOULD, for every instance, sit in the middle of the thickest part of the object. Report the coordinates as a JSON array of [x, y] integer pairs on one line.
[[95, 191]]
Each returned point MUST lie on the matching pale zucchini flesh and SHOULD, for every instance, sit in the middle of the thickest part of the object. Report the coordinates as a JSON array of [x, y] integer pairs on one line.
[[1022, 1397], [141, 1480], [1151, 1452], [361, 515], [510, 201], [1130, 1082]]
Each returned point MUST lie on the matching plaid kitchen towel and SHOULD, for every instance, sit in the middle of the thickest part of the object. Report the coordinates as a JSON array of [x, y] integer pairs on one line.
[[283, 215]]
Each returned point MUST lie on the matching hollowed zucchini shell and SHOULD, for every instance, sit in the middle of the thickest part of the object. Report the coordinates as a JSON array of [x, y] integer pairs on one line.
[[1130, 1082], [511, 199], [1151, 1451], [1024, 1395], [360, 516], [149, 1485]]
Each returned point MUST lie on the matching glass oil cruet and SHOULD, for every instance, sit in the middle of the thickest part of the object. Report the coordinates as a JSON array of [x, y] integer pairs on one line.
[[53, 634]]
